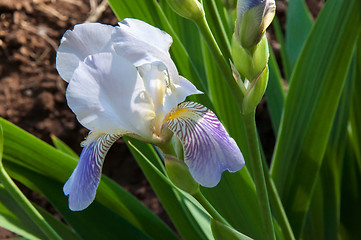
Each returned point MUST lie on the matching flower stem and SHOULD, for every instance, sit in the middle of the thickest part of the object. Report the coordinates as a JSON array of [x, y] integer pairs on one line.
[[277, 206], [258, 176], [210, 209], [221, 61], [26, 205]]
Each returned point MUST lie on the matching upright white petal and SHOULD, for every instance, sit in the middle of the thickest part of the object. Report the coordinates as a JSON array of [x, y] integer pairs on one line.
[[141, 43], [85, 39], [107, 95], [142, 30], [155, 82]]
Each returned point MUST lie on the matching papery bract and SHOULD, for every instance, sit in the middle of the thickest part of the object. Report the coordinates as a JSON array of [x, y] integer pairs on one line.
[[122, 81]]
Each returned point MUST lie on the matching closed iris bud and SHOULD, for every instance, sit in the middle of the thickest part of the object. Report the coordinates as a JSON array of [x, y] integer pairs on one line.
[[253, 18], [179, 174], [190, 9], [255, 92], [250, 64]]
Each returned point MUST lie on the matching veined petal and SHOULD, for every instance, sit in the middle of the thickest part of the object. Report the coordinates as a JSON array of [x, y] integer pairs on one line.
[[82, 185], [85, 39], [141, 43], [107, 95], [208, 149]]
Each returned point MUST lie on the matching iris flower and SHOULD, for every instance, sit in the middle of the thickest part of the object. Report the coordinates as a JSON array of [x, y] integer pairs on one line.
[[122, 81]]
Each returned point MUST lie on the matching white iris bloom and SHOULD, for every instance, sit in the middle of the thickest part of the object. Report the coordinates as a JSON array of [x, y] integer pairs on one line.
[[122, 81]]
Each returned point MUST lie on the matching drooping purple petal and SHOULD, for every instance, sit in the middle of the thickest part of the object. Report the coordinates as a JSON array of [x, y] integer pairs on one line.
[[82, 185], [208, 149]]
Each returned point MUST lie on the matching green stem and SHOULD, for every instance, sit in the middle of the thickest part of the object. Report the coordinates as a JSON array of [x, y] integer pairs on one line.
[[26, 205], [210, 209], [221, 61], [255, 162], [276, 204]]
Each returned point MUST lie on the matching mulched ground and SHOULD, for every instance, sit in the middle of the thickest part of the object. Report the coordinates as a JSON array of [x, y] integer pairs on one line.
[[32, 92]]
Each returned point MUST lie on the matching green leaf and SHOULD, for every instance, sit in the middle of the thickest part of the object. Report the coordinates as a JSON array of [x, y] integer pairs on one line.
[[170, 199], [40, 225], [89, 224], [275, 93], [324, 214], [355, 117], [25, 150], [351, 174], [350, 219], [298, 26], [60, 145], [13, 218], [312, 100]]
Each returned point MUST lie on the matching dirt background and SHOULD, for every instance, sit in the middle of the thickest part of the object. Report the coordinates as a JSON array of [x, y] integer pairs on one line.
[[32, 93]]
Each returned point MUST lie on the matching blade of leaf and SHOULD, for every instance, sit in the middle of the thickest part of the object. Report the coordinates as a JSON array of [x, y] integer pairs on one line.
[[311, 104], [14, 219], [351, 177], [275, 93], [177, 211], [324, 214], [89, 224], [60, 145], [22, 202], [355, 118], [298, 26], [25, 150], [350, 196]]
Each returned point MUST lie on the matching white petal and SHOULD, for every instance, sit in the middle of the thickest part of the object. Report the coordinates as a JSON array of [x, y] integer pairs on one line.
[[141, 43], [178, 93], [86, 39], [208, 149], [155, 81], [107, 95], [142, 30], [82, 185]]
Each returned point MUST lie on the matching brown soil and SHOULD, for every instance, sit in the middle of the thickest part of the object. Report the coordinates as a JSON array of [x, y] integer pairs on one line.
[[32, 92]]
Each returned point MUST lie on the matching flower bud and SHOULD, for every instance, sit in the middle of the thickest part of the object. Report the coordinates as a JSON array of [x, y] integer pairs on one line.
[[190, 9], [255, 92], [253, 18], [179, 174], [250, 64], [223, 232]]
